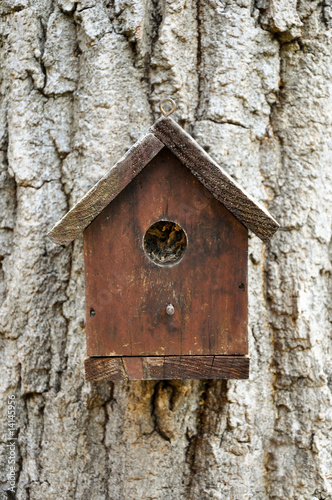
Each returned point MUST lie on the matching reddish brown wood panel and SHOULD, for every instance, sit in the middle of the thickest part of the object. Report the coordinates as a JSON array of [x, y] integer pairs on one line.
[[127, 294], [167, 368]]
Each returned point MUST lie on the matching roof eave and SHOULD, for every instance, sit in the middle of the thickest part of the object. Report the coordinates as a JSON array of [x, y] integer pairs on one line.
[[105, 190], [165, 132], [225, 189]]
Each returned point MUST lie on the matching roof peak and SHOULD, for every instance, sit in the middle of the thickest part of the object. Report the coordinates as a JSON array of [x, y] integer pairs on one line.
[[165, 132]]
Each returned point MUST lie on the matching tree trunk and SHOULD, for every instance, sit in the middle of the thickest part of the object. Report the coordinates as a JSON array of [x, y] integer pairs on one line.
[[81, 81]]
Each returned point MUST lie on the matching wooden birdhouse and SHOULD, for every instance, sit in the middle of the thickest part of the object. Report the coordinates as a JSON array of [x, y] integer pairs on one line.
[[166, 247]]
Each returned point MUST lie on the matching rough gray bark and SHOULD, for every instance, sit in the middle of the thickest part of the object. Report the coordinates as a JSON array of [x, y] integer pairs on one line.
[[80, 83]]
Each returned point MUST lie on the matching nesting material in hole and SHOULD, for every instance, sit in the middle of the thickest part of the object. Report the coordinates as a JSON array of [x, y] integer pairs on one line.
[[164, 242]]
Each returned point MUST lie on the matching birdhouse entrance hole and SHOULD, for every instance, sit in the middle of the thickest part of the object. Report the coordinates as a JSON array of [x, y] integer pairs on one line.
[[165, 242]]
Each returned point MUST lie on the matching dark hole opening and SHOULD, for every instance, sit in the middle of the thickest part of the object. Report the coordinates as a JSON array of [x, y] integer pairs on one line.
[[164, 242], [92, 312], [241, 286]]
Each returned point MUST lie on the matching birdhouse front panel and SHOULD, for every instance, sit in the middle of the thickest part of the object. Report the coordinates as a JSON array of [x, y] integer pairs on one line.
[[166, 269]]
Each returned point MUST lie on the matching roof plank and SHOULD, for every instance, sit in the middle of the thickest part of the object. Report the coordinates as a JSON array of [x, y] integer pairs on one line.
[[215, 179], [105, 190], [165, 132]]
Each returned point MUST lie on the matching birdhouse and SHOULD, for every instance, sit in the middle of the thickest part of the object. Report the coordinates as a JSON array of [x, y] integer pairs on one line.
[[166, 247]]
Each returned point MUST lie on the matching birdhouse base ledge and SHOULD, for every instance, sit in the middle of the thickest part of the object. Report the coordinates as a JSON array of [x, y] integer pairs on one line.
[[99, 369]]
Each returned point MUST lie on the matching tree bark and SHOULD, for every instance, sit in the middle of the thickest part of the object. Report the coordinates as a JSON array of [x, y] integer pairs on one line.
[[81, 81]]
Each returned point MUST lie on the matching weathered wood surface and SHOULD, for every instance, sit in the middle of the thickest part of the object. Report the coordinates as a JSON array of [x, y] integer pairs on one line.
[[128, 293], [102, 193], [215, 179], [166, 368]]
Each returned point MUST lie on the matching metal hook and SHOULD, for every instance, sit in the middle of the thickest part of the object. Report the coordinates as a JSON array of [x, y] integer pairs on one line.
[[167, 113]]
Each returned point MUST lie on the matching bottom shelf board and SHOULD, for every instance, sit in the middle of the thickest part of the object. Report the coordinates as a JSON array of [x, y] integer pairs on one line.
[[166, 368]]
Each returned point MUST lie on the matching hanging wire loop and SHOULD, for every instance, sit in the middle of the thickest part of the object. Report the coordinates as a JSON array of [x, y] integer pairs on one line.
[[162, 109]]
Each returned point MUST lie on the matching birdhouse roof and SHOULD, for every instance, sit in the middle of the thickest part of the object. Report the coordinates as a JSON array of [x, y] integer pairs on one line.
[[165, 132]]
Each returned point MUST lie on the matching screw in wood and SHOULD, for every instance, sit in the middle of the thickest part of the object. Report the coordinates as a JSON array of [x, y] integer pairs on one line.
[[170, 309]]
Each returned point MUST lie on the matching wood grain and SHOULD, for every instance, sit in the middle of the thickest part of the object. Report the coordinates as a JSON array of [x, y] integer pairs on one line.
[[215, 179], [128, 293], [166, 368], [98, 369], [102, 193]]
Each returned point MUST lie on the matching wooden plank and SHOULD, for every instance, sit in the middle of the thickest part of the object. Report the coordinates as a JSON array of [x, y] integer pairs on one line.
[[99, 369], [189, 367], [128, 293], [102, 193], [215, 179], [154, 367], [167, 368], [133, 367]]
